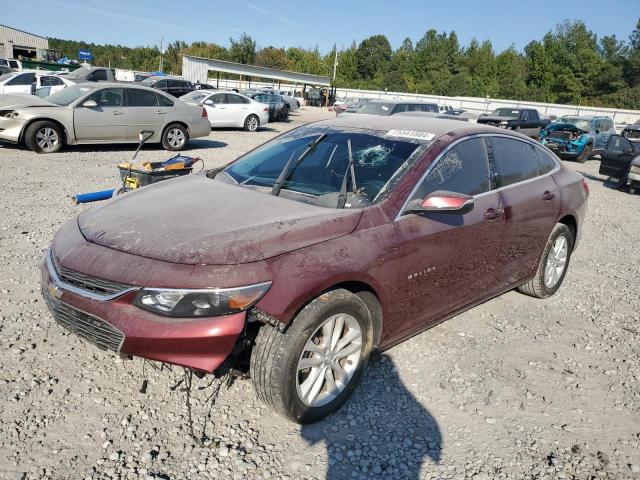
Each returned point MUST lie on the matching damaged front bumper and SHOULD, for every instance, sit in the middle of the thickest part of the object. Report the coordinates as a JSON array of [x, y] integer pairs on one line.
[[111, 321], [564, 149]]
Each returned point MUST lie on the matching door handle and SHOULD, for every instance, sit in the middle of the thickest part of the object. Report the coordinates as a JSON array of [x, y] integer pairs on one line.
[[493, 213], [548, 196], [160, 112], [118, 112]]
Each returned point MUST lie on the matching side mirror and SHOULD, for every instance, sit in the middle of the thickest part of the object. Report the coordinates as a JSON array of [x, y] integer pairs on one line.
[[597, 131], [209, 102], [90, 104], [443, 202]]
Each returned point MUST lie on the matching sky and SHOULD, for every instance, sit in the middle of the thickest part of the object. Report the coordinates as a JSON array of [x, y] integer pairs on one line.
[[289, 23]]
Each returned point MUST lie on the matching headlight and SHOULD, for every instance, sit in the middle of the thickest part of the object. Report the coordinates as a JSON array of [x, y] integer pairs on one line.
[[190, 303], [8, 113], [503, 124]]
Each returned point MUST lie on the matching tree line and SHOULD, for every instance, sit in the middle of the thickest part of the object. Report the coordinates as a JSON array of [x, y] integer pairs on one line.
[[570, 64]]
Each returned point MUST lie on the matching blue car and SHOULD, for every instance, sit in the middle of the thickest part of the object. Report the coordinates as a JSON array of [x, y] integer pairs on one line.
[[577, 138]]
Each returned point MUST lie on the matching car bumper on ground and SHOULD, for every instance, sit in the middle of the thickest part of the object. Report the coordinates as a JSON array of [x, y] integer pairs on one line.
[[115, 323]]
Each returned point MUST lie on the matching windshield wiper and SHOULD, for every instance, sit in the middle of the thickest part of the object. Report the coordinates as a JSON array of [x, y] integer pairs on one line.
[[284, 174], [342, 196]]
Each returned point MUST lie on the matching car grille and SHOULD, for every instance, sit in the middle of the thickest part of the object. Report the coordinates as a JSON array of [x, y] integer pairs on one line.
[[564, 136], [92, 329], [87, 282]]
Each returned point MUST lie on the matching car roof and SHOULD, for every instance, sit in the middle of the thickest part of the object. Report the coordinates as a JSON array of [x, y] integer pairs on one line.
[[634, 126], [427, 124], [396, 101]]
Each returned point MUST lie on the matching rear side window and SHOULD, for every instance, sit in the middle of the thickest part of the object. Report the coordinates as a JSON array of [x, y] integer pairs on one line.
[[164, 101], [546, 162], [97, 76], [463, 169], [515, 160], [233, 98], [24, 79], [141, 98]]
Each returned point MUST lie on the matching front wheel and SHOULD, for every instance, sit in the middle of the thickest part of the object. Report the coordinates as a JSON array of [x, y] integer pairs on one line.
[[251, 123], [553, 264], [44, 137], [174, 137], [310, 370], [585, 154]]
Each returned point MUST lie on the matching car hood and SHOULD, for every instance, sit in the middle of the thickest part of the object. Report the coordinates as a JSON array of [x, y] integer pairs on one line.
[[21, 100], [197, 220], [565, 127]]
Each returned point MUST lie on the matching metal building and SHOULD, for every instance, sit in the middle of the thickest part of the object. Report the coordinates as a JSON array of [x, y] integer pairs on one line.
[[14, 43], [196, 69]]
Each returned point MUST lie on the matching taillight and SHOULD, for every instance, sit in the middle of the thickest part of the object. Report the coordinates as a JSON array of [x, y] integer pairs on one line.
[[585, 185], [204, 113], [265, 109]]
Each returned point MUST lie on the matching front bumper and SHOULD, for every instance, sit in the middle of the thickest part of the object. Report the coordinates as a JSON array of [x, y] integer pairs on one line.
[[113, 322], [563, 149], [10, 129]]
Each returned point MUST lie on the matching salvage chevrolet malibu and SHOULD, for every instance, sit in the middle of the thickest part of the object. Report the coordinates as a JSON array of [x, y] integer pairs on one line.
[[307, 253]]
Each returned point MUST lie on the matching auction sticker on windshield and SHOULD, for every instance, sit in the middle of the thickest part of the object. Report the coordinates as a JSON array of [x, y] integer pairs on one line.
[[410, 134]]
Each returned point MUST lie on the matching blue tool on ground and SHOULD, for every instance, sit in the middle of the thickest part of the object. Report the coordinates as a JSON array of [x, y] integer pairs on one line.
[[93, 196]]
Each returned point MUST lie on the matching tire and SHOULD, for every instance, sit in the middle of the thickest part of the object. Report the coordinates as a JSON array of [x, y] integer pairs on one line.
[[174, 137], [585, 154], [284, 114], [538, 286], [275, 361], [251, 123], [44, 137]]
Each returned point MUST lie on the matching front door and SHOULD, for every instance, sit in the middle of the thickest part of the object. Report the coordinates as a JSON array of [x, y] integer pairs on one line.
[[236, 109], [106, 121], [531, 202], [144, 112], [617, 157], [448, 260], [216, 110]]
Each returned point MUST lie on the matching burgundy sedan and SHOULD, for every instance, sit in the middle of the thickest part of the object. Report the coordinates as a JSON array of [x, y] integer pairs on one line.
[[307, 253]]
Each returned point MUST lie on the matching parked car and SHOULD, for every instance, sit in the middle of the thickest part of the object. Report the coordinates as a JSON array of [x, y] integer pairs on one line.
[[432, 115], [578, 138], [524, 120], [329, 241], [621, 158], [278, 108], [230, 109], [29, 81], [203, 86], [4, 69], [175, 86], [99, 113], [287, 96], [89, 74], [390, 107], [11, 63], [353, 104]]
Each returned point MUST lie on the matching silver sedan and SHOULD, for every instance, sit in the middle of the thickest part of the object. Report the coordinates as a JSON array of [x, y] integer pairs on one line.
[[99, 113]]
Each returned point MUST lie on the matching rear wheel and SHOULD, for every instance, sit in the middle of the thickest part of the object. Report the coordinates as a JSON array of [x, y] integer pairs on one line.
[[174, 137], [553, 264], [585, 154], [310, 370], [251, 123], [44, 137]]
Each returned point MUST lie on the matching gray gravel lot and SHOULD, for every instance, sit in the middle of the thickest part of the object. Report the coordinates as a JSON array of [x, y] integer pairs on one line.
[[514, 388]]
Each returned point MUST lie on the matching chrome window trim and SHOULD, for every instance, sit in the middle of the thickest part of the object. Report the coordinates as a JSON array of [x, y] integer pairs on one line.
[[58, 282], [400, 214]]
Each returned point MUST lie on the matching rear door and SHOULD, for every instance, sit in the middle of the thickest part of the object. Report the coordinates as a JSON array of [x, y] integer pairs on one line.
[[21, 83], [107, 121], [531, 202], [144, 112], [617, 157], [448, 260]]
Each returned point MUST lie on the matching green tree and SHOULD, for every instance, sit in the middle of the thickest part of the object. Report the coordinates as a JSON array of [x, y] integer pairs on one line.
[[242, 50], [373, 56]]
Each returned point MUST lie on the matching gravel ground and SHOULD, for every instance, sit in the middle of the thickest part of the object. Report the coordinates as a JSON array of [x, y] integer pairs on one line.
[[514, 388]]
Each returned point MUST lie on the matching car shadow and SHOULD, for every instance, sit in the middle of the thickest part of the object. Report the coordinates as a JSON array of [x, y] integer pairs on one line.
[[381, 432], [607, 182]]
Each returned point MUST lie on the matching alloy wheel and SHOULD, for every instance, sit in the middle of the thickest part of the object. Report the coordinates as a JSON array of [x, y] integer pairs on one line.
[[252, 123], [47, 138], [175, 137], [556, 262], [329, 360]]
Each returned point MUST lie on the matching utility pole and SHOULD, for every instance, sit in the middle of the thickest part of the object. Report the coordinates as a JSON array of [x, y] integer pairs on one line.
[[335, 65], [161, 51]]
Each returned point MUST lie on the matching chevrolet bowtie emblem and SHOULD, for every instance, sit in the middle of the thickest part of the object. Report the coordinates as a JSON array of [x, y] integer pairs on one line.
[[55, 292]]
